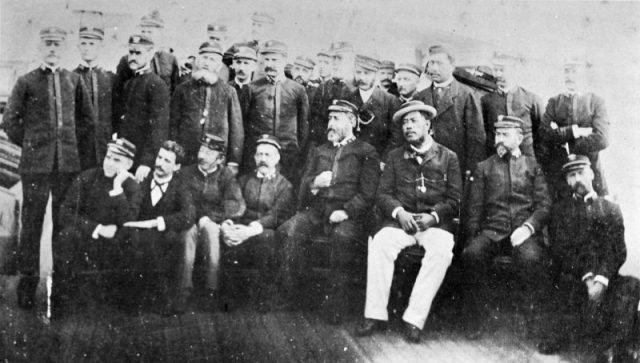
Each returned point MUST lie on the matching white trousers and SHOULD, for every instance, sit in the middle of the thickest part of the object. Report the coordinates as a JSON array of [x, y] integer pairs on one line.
[[383, 251], [203, 237]]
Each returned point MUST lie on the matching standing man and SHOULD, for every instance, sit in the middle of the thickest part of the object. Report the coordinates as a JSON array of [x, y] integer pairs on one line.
[[324, 70], [336, 88], [458, 125], [376, 108], [301, 73], [576, 122], [145, 121], [217, 34], [419, 196], [278, 106], [508, 208], [244, 65], [166, 210], [99, 82], [98, 203], [339, 185], [588, 246], [162, 63], [385, 77], [48, 111], [407, 77], [217, 197], [510, 99], [270, 201], [206, 104]]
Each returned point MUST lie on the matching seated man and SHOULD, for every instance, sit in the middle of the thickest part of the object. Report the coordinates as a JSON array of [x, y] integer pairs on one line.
[[166, 210], [217, 197], [587, 244], [97, 204], [507, 210], [419, 196], [269, 200], [338, 185]]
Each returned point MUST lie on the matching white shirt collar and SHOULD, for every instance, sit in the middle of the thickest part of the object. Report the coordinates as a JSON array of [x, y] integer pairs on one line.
[[45, 66], [591, 195], [515, 153], [241, 83], [366, 95], [344, 141], [446, 83], [269, 176], [164, 181], [86, 65], [428, 142], [144, 69], [207, 173]]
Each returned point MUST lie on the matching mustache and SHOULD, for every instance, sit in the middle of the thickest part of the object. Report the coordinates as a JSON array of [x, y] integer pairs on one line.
[[241, 72], [262, 163], [269, 69]]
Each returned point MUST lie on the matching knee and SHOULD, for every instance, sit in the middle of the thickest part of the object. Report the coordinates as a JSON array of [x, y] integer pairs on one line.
[[474, 253], [529, 254]]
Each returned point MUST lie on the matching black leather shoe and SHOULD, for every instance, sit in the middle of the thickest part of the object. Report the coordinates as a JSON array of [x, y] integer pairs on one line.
[[369, 326], [412, 333], [550, 346]]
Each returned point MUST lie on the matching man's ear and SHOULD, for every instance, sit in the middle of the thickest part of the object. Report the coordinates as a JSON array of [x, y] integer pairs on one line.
[[129, 164]]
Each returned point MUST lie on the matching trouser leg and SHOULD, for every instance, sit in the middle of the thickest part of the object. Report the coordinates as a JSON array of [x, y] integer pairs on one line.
[[189, 241], [438, 245], [295, 233], [383, 251], [209, 232], [476, 257]]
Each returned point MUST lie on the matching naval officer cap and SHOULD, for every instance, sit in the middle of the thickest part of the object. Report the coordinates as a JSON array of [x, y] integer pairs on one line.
[[152, 20], [274, 46], [305, 62], [388, 65], [412, 106], [575, 162], [86, 32], [343, 106], [211, 48], [140, 39], [262, 18], [122, 146], [246, 53], [53, 33], [408, 67], [269, 140], [508, 122], [213, 142], [368, 63]]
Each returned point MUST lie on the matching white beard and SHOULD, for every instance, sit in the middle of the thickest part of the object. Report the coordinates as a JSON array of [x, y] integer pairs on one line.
[[207, 76]]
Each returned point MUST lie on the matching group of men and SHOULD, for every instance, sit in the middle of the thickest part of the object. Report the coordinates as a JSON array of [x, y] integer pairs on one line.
[[151, 171]]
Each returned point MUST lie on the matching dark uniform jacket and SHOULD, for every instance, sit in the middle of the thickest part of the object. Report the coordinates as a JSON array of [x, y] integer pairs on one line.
[[402, 181], [520, 103], [458, 124], [269, 200], [356, 169], [584, 110], [311, 91], [287, 121], [216, 195], [505, 193], [175, 206], [382, 133], [223, 118], [588, 237], [237, 87], [88, 203], [99, 84], [146, 119], [163, 63], [48, 137], [332, 89]]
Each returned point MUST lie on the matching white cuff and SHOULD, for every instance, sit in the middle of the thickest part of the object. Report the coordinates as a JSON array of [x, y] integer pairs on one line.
[[96, 232], [587, 276], [116, 192], [161, 225], [435, 215], [530, 226], [256, 227], [601, 279], [232, 163], [395, 212], [574, 129], [314, 191]]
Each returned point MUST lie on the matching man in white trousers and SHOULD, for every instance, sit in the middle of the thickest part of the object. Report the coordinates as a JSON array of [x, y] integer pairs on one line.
[[419, 197]]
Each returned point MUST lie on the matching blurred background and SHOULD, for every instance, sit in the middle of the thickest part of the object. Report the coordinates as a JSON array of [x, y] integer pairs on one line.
[[542, 33]]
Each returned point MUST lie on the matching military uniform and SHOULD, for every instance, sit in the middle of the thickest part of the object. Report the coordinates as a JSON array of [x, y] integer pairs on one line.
[[332, 89]]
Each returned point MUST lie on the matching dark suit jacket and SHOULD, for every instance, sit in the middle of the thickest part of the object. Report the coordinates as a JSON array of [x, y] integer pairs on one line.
[[381, 133], [520, 103], [584, 110], [176, 206], [458, 125], [588, 237], [504, 194], [269, 201], [99, 84], [31, 122], [224, 118], [216, 195], [400, 187], [355, 178]]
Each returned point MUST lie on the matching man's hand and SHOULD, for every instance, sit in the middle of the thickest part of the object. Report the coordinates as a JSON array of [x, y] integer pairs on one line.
[[407, 222], [148, 224], [121, 176], [596, 290], [424, 220], [108, 231], [323, 180], [234, 168], [382, 166], [142, 172], [233, 235], [203, 220], [520, 235], [582, 132], [338, 216]]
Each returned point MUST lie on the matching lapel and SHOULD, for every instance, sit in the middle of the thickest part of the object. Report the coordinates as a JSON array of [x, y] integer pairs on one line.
[[448, 97], [431, 153]]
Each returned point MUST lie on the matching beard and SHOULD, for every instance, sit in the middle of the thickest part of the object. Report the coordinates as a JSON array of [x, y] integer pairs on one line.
[[300, 80], [501, 149], [417, 141], [205, 75], [580, 189]]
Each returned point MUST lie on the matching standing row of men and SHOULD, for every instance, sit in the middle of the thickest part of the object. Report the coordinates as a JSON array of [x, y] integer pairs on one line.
[[425, 144]]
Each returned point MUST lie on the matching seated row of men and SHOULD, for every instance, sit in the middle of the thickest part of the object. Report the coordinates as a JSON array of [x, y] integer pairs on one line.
[[171, 215]]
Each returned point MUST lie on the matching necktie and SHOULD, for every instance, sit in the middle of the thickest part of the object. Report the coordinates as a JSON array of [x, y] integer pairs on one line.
[[157, 191]]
